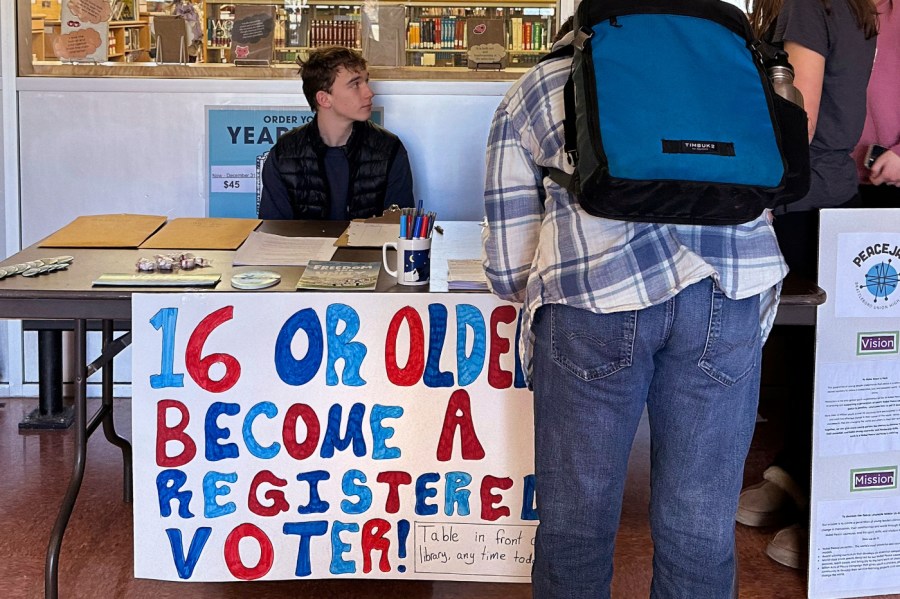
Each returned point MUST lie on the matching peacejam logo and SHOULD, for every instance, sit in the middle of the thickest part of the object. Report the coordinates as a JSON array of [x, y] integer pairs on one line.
[[878, 278], [873, 479]]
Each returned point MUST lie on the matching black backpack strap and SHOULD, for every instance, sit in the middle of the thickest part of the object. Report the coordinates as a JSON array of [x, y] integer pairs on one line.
[[571, 144], [560, 177]]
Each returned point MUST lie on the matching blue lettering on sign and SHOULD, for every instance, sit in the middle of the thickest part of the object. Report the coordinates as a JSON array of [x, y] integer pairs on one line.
[[184, 565], [354, 434], [290, 370], [342, 346], [423, 492], [456, 493], [433, 377], [306, 530], [469, 367], [214, 451], [351, 489], [315, 505], [211, 490], [338, 548], [168, 487], [270, 410], [380, 433]]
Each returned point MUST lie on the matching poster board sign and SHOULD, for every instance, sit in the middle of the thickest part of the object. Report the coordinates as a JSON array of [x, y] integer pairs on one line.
[[384, 35], [330, 435], [238, 141], [84, 31], [855, 501], [171, 39], [253, 34], [487, 43]]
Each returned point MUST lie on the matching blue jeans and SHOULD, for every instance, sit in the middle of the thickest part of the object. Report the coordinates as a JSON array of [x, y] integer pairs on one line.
[[694, 362]]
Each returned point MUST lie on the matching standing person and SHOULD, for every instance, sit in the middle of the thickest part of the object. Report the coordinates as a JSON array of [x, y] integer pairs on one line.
[[880, 184], [340, 165], [831, 45], [619, 316]]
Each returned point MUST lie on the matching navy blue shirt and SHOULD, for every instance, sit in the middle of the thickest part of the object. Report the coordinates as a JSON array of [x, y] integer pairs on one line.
[[275, 201]]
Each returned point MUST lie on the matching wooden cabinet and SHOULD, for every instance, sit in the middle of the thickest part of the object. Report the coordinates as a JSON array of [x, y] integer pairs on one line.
[[37, 38], [129, 41]]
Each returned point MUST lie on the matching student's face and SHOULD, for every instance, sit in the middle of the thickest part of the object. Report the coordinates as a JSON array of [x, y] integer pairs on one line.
[[350, 96]]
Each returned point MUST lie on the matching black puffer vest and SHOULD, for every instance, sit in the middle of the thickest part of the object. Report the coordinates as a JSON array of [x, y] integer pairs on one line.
[[299, 157]]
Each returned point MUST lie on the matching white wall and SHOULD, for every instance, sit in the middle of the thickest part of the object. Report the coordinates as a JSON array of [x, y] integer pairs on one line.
[[112, 145]]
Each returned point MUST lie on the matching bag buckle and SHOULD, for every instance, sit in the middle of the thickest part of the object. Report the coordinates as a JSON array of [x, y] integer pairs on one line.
[[572, 157]]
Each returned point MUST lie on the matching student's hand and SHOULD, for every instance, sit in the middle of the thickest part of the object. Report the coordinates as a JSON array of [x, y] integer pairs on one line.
[[886, 170]]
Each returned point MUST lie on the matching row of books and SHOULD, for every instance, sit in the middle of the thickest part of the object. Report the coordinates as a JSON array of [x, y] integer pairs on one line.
[[528, 35], [132, 38], [341, 31], [447, 33], [450, 33]]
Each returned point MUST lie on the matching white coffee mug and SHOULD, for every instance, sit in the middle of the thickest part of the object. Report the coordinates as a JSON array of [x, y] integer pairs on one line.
[[413, 265]]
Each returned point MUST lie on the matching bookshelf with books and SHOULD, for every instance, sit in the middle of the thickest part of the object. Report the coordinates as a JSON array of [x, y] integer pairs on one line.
[[299, 26], [436, 32]]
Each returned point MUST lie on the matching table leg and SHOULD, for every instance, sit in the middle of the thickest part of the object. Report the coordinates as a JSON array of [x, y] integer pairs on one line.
[[51, 413], [51, 565], [109, 426]]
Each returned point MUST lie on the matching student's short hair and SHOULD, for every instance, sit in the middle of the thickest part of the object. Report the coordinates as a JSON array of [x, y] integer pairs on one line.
[[319, 70]]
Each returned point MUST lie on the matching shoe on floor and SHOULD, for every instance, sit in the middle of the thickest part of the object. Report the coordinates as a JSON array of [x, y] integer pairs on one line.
[[790, 546], [764, 504], [780, 477]]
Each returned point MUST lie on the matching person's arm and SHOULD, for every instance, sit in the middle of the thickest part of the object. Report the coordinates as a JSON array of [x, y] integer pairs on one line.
[[274, 203], [809, 75], [513, 207], [400, 182], [886, 170]]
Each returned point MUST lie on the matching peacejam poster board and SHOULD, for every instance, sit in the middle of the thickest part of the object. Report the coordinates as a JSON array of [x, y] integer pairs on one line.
[[855, 503], [317, 435], [238, 141]]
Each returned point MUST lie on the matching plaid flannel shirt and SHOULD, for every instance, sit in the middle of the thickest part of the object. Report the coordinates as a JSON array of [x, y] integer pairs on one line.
[[540, 247]]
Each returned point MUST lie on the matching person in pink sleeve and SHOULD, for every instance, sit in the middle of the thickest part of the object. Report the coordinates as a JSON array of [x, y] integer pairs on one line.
[[880, 184]]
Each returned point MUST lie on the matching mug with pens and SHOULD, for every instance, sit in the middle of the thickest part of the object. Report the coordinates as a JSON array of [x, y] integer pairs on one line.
[[413, 247]]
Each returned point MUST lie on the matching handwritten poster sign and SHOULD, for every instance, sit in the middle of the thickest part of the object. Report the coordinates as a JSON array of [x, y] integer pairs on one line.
[[316, 435], [84, 31], [239, 139], [252, 34]]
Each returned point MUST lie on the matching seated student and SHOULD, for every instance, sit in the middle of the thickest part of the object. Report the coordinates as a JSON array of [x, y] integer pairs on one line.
[[340, 165]]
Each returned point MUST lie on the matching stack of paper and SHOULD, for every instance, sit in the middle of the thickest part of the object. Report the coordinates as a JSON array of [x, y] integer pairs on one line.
[[266, 249], [466, 275]]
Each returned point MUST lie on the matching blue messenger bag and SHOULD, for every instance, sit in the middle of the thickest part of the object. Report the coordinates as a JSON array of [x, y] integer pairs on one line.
[[671, 117]]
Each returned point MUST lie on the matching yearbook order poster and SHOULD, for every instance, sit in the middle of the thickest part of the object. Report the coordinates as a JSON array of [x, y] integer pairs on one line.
[[319, 435], [855, 507], [238, 141]]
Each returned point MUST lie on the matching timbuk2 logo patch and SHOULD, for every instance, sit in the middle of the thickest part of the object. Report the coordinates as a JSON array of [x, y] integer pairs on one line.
[[873, 479], [695, 146], [876, 343]]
